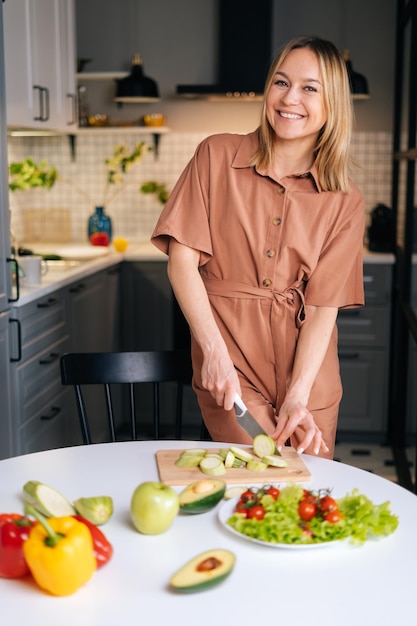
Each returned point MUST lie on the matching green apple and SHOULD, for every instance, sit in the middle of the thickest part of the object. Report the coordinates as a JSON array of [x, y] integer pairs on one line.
[[153, 507]]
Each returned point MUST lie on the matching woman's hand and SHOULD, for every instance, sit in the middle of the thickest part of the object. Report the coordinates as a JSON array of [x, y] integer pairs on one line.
[[218, 375], [294, 414]]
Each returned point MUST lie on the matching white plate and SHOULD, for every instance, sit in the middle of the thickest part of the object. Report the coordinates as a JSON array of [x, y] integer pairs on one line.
[[227, 510], [82, 253]]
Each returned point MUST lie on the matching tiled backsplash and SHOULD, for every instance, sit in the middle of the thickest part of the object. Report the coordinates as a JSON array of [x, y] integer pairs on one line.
[[133, 213]]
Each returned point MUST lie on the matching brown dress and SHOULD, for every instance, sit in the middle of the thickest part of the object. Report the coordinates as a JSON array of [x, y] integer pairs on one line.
[[267, 248]]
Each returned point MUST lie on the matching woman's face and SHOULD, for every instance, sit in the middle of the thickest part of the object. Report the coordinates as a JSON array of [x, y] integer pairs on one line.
[[295, 101]]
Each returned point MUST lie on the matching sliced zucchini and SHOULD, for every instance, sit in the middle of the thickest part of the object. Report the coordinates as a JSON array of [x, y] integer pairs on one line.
[[46, 500], [189, 461], [256, 466], [243, 455], [234, 492], [275, 461], [212, 466], [263, 445], [230, 459]]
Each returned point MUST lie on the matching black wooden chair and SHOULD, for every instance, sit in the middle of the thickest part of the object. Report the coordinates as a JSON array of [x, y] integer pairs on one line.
[[128, 369]]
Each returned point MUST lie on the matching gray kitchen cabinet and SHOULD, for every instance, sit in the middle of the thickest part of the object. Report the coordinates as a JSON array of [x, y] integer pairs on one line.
[[147, 322], [6, 425], [152, 320], [40, 64], [39, 336], [364, 336], [81, 317], [93, 314]]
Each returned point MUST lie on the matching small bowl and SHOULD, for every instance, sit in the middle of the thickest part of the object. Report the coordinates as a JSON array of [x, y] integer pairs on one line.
[[154, 119], [98, 120]]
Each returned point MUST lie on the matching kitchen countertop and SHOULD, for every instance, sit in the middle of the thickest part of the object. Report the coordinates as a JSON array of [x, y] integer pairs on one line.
[[59, 277]]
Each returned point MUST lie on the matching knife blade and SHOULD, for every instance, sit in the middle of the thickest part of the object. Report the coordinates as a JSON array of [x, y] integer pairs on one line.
[[245, 419]]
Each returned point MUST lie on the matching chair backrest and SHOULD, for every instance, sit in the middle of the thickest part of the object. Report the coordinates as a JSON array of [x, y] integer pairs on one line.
[[128, 368]]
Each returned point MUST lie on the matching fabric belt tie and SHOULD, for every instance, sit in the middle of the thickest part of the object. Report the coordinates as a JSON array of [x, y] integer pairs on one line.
[[290, 301]]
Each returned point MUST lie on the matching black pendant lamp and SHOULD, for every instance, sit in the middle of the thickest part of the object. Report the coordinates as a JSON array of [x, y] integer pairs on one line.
[[136, 87], [358, 82]]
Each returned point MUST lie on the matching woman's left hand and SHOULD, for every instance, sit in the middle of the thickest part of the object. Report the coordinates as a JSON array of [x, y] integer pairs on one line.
[[292, 415]]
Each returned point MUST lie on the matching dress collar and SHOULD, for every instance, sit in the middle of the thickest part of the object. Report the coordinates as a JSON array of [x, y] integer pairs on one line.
[[247, 149]]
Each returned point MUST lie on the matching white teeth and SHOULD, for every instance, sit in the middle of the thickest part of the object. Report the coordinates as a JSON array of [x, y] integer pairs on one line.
[[290, 116]]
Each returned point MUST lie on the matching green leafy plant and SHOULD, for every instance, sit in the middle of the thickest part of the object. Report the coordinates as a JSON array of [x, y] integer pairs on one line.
[[159, 189], [28, 174]]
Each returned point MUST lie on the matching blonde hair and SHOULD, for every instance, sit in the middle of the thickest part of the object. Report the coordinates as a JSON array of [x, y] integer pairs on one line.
[[332, 154]]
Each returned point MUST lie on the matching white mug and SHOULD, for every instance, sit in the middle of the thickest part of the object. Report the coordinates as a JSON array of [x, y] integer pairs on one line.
[[33, 268]]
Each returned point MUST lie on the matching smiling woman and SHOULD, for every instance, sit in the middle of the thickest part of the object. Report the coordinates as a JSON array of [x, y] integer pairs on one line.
[[295, 107], [262, 305]]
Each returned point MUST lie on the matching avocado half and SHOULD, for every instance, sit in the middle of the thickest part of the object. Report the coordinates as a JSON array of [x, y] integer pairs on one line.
[[201, 495], [203, 571]]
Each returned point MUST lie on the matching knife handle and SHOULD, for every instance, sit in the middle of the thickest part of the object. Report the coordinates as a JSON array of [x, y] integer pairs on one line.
[[240, 406]]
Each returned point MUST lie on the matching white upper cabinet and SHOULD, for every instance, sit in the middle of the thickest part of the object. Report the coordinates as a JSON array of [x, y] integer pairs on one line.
[[40, 64]]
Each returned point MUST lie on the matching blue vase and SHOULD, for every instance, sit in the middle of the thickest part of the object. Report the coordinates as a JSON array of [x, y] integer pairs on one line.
[[99, 222]]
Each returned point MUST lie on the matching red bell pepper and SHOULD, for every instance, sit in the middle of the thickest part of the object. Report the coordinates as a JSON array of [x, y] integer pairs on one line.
[[103, 549], [14, 530]]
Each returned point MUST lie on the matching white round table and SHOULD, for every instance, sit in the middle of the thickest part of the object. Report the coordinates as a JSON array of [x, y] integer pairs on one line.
[[340, 584]]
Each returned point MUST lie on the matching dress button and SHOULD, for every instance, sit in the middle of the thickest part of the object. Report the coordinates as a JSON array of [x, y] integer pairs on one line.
[[267, 282], [270, 253], [281, 190], [276, 221]]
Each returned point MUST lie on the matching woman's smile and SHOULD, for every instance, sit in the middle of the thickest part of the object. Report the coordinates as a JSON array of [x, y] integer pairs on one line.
[[294, 103]]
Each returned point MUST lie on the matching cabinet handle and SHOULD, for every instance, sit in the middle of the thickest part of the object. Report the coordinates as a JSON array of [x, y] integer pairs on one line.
[[16, 273], [52, 357], [43, 103], [45, 305], [349, 356], [45, 92], [350, 313], [55, 410], [12, 320], [368, 279], [77, 289], [39, 89], [73, 99]]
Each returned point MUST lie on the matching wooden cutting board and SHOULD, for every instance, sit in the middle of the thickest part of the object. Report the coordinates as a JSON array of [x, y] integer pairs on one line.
[[296, 470]]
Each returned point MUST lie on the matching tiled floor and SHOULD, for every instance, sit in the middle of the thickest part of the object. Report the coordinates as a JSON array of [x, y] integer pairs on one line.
[[374, 458]]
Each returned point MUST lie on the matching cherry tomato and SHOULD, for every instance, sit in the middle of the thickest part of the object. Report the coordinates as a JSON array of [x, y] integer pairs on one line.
[[327, 504], [306, 531], [273, 492], [333, 517], [309, 496], [256, 512], [248, 495], [307, 510]]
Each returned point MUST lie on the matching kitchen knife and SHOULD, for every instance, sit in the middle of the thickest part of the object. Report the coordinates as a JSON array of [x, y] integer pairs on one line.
[[246, 420]]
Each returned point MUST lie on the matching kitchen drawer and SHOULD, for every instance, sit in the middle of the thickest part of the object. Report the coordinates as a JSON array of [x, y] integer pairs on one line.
[[39, 378], [377, 281], [48, 428], [365, 326], [41, 322], [363, 407]]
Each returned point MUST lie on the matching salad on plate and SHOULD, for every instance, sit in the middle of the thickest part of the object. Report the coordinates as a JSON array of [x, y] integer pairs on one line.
[[295, 516]]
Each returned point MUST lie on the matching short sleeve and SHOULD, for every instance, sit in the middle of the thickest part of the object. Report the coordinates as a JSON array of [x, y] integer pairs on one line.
[[337, 279], [185, 216]]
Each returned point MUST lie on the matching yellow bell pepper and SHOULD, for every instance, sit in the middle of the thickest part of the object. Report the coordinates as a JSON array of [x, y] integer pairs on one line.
[[60, 554]]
